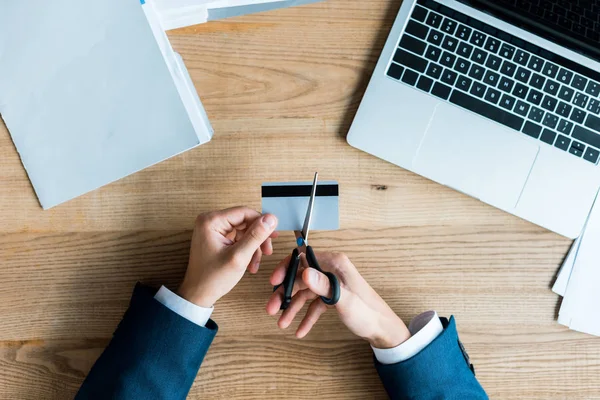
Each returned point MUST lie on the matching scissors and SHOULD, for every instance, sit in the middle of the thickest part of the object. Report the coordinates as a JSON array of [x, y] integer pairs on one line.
[[303, 247]]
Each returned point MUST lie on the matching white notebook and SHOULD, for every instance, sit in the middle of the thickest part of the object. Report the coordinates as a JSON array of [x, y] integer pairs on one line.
[[92, 92]]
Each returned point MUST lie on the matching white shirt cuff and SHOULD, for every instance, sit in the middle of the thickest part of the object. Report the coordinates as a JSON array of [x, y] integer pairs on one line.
[[190, 311], [424, 328]]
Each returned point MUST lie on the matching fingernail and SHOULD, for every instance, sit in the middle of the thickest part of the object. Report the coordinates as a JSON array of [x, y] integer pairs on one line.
[[313, 276], [270, 220]]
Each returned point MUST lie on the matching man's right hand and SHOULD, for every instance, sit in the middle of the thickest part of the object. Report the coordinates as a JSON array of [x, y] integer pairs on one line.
[[360, 308]]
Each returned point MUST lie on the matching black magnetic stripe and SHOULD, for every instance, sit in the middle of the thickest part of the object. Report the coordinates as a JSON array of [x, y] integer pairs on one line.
[[299, 191]]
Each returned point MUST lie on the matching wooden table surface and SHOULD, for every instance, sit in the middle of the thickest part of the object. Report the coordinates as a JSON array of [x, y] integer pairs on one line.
[[281, 89]]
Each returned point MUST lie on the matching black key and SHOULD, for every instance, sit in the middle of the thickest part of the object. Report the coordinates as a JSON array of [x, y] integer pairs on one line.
[[522, 108], [562, 142], [492, 95], [449, 77], [536, 64], [450, 43], [434, 70], [507, 102], [565, 127], [591, 155], [395, 71], [479, 107], [412, 44], [549, 103], [536, 114], [447, 59], [578, 146], [440, 90], [566, 93], [492, 45], [476, 72], [579, 82], [578, 115], [449, 26], [535, 97], [507, 51], [592, 89], [464, 49], [425, 83], [493, 62], [550, 120], [419, 13], [550, 70], [506, 84], [491, 78], [580, 99], [508, 68], [564, 109], [576, 150], [463, 32], [477, 39], [537, 81], [593, 122], [564, 76], [478, 89], [434, 19], [433, 53], [463, 83], [435, 37], [416, 29], [410, 60], [521, 57], [586, 136], [520, 91], [523, 75], [479, 56], [462, 66], [594, 106], [532, 129], [551, 87], [548, 136], [410, 77]]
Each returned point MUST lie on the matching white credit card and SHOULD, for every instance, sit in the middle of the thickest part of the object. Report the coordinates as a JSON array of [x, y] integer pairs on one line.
[[288, 201]]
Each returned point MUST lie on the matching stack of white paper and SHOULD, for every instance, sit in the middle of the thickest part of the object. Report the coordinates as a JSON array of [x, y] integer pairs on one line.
[[578, 280], [180, 13], [92, 92]]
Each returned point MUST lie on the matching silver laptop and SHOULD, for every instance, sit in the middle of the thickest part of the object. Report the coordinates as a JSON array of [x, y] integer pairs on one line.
[[496, 99]]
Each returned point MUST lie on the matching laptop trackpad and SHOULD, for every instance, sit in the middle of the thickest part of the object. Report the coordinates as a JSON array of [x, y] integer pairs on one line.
[[476, 156]]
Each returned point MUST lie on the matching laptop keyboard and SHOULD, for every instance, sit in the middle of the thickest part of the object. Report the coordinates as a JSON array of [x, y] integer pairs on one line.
[[501, 77]]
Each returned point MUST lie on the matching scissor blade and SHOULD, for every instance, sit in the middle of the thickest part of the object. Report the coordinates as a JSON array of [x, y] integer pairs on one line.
[[311, 203]]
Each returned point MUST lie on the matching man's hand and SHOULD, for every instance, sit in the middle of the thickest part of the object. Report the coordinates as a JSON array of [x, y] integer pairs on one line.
[[360, 308], [224, 245]]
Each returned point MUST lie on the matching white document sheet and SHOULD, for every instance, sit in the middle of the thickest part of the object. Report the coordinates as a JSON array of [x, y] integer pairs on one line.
[[580, 309], [87, 95]]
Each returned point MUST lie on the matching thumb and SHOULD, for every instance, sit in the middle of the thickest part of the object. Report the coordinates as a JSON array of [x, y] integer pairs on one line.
[[317, 282], [256, 235]]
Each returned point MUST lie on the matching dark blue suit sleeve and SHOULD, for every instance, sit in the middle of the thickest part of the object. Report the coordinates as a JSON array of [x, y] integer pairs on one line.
[[440, 371], [154, 354]]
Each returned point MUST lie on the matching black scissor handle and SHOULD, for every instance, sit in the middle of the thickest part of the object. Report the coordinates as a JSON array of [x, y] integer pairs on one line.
[[333, 280], [290, 278]]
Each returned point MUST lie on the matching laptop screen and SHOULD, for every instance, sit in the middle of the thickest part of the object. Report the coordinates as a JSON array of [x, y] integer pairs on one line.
[[574, 24]]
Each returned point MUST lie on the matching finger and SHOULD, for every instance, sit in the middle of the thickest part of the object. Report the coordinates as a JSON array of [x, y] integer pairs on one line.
[[278, 274], [317, 282], [255, 235], [255, 261], [274, 303], [228, 219], [267, 247], [315, 310], [295, 306]]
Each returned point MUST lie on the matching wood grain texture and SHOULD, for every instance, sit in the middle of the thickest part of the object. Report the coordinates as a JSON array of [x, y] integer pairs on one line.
[[281, 89]]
